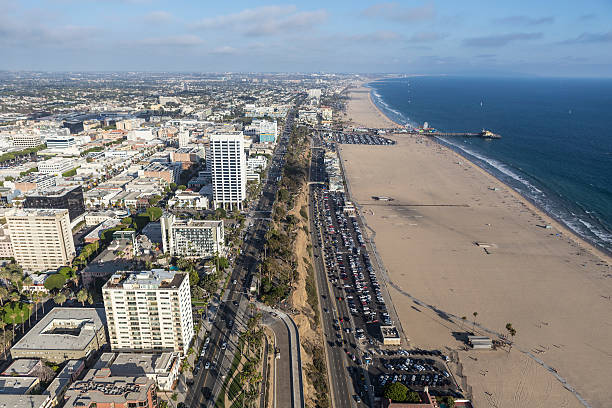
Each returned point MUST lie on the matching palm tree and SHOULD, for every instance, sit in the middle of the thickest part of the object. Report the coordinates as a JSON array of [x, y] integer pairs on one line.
[[3, 327], [13, 316], [82, 296], [474, 327], [3, 295], [463, 319], [512, 332], [36, 297], [60, 298]]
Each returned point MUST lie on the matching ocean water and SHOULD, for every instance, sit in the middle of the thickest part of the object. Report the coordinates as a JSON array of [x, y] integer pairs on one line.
[[556, 146]]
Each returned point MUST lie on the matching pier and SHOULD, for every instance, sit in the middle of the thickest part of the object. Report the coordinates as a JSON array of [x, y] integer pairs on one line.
[[485, 134]]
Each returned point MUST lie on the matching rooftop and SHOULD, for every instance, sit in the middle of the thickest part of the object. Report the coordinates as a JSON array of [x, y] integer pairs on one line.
[[52, 191], [64, 328], [153, 279], [36, 212], [100, 387], [136, 364], [17, 385], [23, 401], [21, 366]]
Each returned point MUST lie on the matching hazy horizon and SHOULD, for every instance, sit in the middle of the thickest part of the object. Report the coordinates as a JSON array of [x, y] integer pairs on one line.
[[434, 37]]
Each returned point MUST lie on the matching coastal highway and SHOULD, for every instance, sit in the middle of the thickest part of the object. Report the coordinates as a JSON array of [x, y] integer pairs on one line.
[[341, 389], [231, 314]]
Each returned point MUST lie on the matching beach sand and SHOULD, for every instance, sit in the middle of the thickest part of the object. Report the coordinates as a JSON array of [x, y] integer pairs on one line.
[[555, 290]]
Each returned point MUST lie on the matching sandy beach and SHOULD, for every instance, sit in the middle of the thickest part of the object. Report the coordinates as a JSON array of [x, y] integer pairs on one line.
[[554, 289]]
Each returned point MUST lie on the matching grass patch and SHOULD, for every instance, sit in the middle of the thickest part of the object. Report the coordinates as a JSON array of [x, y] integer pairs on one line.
[[311, 293]]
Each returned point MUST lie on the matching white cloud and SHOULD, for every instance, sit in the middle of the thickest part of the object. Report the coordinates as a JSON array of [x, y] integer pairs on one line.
[[267, 20], [158, 16], [396, 12], [187, 40]]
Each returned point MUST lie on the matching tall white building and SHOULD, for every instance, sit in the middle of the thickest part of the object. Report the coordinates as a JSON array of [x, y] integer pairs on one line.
[[228, 169], [149, 311], [41, 239], [192, 238]]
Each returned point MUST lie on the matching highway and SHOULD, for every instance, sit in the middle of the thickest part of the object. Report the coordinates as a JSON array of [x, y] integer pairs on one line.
[[348, 378], [232, 312]]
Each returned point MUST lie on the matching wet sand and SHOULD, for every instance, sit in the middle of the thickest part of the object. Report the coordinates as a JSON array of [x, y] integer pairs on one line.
[[554, 289]]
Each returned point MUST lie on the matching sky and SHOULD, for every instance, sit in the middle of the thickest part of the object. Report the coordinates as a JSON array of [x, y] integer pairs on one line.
[[538, 37]]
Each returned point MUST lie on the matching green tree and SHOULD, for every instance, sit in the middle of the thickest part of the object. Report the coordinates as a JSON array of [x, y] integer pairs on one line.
[[55, 282], [447, 400], [16, 313], [396, 392], [154, 213], [67, 272], [82, 296], [194, 277], [60, 298]]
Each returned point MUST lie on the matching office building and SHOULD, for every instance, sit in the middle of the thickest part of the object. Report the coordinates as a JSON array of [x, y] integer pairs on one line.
[[65, 333], [60, 197], [26, 140], [61, 142], [34, 181], [228, 168], [56, 165], [192, 238], [41, 238], [149, 311], [264, 131]]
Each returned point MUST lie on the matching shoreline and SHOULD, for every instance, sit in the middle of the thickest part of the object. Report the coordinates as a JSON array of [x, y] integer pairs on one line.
[[553, 221], [550, 283]]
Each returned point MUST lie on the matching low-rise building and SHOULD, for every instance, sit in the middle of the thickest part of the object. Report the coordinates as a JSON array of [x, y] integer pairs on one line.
[[162, 368], [189, 199], [99, 389], [167, 171], [18, 385], [64, 334], [56, 165]]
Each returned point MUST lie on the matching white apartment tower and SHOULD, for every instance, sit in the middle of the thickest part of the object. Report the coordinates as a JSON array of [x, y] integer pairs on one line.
[[192, 238], [41, 239], [228, 169], [149, 311]]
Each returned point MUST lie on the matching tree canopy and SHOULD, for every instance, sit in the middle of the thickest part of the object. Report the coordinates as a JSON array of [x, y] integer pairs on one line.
[[55, 281], [16, 312], [398, 392]]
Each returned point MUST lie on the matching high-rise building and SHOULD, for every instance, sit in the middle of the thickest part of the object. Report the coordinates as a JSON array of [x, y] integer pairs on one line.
[[41, 238], [228, 168], [192, 238], [149, 311], [60, 197]]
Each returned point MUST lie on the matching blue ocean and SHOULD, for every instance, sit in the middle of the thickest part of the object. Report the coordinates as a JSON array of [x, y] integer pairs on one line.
[[556, 145]]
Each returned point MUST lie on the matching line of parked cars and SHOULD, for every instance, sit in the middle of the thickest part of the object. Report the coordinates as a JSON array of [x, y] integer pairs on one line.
[[364, 139]]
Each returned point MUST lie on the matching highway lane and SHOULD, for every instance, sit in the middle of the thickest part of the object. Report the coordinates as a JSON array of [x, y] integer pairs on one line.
[[208, 382], [335, 339]]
